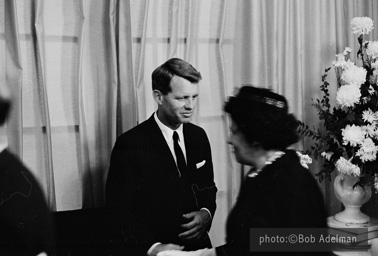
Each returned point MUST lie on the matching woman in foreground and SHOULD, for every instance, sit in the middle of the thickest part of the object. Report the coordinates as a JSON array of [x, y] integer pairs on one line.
[[279, 196]]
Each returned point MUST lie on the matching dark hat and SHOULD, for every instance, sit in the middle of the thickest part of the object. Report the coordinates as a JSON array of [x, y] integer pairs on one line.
[[262, 116], [260, 97]]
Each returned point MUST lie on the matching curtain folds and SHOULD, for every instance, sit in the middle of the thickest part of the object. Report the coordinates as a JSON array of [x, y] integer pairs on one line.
[[86, 176], [13, 73], [74, 96], [127, 111], [107, 90], [44, 102]]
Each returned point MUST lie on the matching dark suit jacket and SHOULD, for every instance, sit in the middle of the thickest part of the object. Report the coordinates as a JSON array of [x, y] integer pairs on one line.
[[25, 221], [144, 188]]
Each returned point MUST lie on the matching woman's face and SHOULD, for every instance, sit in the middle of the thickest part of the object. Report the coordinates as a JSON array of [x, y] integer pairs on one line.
[[241, 148]]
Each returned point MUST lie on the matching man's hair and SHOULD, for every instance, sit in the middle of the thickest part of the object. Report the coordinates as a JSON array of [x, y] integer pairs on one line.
[[162, 75], [4, 109]]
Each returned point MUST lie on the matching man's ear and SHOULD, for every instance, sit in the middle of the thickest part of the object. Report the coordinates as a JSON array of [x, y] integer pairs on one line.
[[158, 97]]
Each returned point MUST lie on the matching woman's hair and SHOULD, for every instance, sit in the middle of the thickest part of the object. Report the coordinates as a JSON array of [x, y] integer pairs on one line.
[[262, 116], [162, 75]]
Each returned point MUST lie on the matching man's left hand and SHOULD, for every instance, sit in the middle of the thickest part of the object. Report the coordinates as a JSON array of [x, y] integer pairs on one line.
[[197, 226]]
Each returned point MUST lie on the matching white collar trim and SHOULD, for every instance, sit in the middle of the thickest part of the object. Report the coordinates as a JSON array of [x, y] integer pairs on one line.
[[270, 160]]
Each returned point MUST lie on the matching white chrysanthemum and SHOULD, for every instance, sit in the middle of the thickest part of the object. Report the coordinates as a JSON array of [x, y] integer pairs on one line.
[[340, 60], [368, 151], [346, 167], [327, 155], [361, 25], [372, 49], [370, 130], [369, 116], [352, 134], [354, 75], [348, 95], [344, 64], [347, 50]]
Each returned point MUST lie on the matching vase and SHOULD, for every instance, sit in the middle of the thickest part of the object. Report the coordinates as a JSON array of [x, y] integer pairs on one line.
[[353, 197]]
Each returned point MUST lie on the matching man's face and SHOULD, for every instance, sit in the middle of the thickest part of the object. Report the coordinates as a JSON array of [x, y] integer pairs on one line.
[[178, 105]]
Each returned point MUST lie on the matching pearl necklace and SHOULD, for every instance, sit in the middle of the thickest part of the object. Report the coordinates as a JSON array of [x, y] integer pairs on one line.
[[270, 160]]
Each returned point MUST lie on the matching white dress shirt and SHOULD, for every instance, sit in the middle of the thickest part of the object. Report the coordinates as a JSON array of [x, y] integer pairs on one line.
[[168, 136]]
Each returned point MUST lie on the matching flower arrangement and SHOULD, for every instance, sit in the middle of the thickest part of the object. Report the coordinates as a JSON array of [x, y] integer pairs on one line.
[[348, 140]]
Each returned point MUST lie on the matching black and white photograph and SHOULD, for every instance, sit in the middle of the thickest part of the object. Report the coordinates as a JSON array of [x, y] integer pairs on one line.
[[188, 127]]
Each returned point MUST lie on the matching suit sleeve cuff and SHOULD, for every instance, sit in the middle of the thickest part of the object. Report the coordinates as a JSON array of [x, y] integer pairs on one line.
[[211, 216], [149, 252]]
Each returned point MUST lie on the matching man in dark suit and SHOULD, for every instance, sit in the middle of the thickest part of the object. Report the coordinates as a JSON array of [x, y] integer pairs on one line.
[[25, 222], [160, 182]]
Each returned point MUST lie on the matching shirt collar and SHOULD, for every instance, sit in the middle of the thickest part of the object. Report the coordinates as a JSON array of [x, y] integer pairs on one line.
[[3, 146], [168, 132]]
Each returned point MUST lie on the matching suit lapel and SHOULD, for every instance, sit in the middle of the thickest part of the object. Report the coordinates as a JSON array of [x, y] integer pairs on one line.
[[158, 141]]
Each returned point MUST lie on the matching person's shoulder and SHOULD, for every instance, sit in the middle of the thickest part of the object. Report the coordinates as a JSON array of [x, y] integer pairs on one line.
[[290, 160], [13, 172], [288, 169], [137, 131], [7, 159], [292, 172], [190, 127]]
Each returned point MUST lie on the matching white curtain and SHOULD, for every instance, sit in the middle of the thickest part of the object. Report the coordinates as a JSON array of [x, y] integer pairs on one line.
[[68, 64], [79, 72]]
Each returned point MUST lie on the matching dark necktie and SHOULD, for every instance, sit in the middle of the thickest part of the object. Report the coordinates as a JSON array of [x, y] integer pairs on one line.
[[181, 164]]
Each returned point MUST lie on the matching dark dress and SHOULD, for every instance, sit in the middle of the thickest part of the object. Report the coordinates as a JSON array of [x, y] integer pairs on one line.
[[25, 221], [283, 195]]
